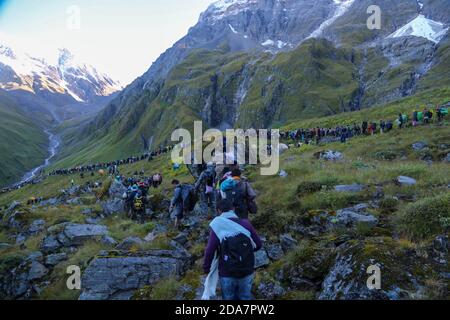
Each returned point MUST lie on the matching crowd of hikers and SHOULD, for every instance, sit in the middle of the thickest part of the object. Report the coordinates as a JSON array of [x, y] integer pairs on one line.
[[102, 168], [229, 199], [342, 133]]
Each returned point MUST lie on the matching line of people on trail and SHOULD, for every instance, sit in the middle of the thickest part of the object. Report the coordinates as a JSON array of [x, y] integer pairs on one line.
[[343, 133], [113, 166], [102, 168]]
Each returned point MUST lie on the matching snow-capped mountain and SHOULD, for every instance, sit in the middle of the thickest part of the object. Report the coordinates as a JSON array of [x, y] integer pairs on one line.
[[422, 27], [82, 82]]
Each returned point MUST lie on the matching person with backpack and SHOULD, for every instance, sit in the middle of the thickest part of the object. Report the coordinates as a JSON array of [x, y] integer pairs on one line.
[[364, 127], [205, 185], [240, 192], [230, 255], [400, 120], [138, 207], [183, 201]]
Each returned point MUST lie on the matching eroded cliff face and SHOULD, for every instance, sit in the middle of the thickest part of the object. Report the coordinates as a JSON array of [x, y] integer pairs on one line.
[[262, 63]]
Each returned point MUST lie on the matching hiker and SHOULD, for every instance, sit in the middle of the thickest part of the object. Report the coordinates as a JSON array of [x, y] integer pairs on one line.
[[205, 186], [364, 127], [230, 253], [240, 192], [129, 197], [440, 113], [400, 120], [415, 118], [138, 207], [183, 201], [382, 126], [156, 180]]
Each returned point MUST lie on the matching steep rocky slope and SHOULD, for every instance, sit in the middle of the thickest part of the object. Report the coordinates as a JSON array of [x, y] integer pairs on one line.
[[266, 63]]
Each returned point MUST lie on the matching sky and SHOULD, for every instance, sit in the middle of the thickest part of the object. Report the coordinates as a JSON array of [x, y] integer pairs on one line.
[[119, 37]]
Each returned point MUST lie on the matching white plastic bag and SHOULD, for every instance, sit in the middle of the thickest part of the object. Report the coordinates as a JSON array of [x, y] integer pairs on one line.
[[211, 280]]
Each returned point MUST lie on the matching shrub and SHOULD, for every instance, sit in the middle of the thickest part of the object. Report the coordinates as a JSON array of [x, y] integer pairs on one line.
[[388, 205], [386, 155], [308, 187], [425, 218], [165, 289]]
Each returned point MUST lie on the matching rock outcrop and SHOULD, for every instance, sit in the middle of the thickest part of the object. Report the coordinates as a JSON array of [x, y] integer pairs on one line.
[[118, 277]]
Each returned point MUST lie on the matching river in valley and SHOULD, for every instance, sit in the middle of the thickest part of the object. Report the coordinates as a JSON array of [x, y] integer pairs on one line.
[[52, 150]]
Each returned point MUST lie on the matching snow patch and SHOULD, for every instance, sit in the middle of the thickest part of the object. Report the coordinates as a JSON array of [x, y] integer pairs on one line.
[[422, 27], [222, 8], [342, 7], [268, 42], [232, 29]]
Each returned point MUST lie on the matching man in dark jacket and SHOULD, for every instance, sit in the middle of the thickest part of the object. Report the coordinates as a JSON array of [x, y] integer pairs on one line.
[[248, 194], [233, 288], [176, 204]]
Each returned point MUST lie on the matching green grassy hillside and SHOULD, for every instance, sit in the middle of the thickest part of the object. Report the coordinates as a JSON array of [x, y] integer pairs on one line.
[[23, 145], [410, 217]]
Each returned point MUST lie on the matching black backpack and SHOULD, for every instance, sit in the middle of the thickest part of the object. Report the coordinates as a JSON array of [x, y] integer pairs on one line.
[[189, 197], [210, 177], [238, 256], [241, 203], [238, 198]]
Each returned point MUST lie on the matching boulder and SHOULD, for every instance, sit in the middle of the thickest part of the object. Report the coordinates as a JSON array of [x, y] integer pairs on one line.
[[74, 201], [287, 242], [77, 233], [50, 244], [129, 243], [86, 211], [117, 190], [117, 278], [54, 259], [406, 181], [159, 229], [350, 188], [21, 238], [13, 206], [108, 240], [283, 148], [50, 202], [283, 174], [37, 271], [270, 290], [347, 278], [91, 220], [351, 216], [447, 158], [418, 146], [36, 255], [330, 155], [261, 259], [36, 226], [274, 251], [114, 206], [181, 238]]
